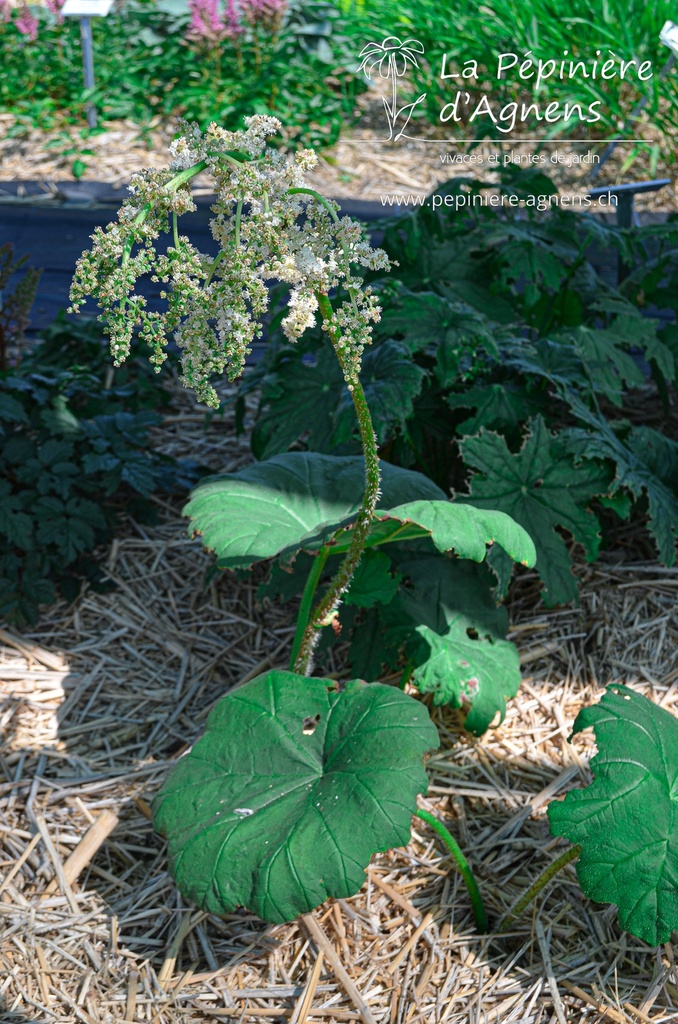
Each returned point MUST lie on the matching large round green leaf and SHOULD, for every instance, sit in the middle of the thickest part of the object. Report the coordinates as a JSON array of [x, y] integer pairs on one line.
[[281, 505], [627, 819], [291, 790]]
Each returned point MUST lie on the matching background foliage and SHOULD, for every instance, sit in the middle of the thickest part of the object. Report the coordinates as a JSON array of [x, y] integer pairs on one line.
[[548, 30], [507, 367], [145, 65], [298, 59], [76, 453]]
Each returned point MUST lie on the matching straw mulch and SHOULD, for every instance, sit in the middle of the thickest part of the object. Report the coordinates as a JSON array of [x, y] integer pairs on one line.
[[99, 700]]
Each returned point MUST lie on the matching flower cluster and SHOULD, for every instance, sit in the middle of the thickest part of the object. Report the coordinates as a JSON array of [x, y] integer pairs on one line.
[[269, 226], [209, 24], [212, 25], [350, 326], [265, 14], [27, 23]]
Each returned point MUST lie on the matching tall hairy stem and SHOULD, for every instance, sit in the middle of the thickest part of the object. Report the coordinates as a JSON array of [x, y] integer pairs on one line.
[[324, 612], [545, 877]]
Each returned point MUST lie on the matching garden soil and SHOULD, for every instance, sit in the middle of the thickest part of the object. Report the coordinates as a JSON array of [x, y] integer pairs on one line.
[[98, 701]]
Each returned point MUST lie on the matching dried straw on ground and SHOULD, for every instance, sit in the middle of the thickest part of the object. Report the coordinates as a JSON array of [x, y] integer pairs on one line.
[[98, 701]]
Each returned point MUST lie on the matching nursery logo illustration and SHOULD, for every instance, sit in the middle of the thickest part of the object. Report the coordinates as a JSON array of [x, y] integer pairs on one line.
[[391, 58]]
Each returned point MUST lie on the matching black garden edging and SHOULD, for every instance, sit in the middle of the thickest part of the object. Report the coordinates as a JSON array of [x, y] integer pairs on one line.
[[53, 228], [52, 225]]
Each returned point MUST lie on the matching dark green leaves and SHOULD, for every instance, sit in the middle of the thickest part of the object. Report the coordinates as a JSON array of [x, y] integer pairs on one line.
[[543, 491], [391, 381], [644, 464], [11, 410], [429, 321], [15, 524], [62, 475], [291, 790], [303, 396], [603, 352], [298, 400], [627, 820], [373, 582]]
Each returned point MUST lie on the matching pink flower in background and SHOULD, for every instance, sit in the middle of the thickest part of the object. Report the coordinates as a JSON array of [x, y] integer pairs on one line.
[[206, 22], [266, 14], [27, 24], [5, 10], [232, 20], [209, 24], [55, 7]]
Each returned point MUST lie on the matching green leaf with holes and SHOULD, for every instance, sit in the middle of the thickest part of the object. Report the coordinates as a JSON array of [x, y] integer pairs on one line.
[[626, 821], [475, 673], [291, 790]]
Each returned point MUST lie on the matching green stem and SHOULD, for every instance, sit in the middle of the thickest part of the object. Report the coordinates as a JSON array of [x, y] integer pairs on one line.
[[406, 675], [238, 221], [215, 263], [175, 230], [316, 195], [464, 868], [323, 613], [183, 176], [173, 184], [537, 886], [310, 588]]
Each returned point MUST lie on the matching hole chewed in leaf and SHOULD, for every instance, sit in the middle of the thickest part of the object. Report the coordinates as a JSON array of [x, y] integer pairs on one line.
[[476, 674], [321, 806], [310, 725]]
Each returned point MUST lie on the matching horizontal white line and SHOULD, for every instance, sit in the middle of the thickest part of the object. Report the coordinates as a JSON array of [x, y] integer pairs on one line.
[[515, 142]]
